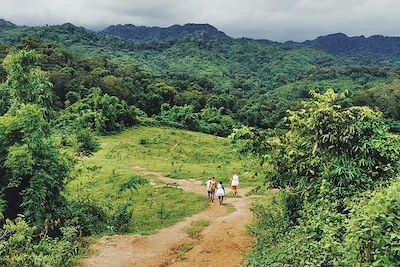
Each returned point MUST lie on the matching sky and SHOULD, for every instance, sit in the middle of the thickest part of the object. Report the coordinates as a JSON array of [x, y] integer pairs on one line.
[[277, 20]]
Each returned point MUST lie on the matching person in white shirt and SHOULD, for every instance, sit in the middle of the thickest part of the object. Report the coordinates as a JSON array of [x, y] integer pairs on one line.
[[220, 193], [234, 183]]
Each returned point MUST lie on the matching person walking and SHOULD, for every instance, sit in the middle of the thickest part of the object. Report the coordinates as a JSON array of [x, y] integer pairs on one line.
[[220, 193], [234, 183], [213, 188], [208, 185]]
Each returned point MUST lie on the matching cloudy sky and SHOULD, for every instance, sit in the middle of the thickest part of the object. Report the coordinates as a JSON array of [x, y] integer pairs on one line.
[[278, 20]]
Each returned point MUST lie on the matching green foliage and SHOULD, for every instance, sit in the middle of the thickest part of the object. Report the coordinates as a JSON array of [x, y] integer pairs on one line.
[[20, 246], [384, 97], [328, 158], [121, 218], [5, 99], [209, 120], [212, 121], [101, 113], [350, 148], [86, 217], [32, 167], [254, 81], [180, 117], [26, 82], [372, 237], [271, 227], [87, 142], [132, 183]]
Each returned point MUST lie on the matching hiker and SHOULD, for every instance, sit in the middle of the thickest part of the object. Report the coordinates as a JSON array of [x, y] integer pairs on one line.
[[234, 183], [208, 183], [213, 188], [220, 192]]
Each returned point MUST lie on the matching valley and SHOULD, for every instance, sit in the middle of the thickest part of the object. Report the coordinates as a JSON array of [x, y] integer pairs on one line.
[[107, 139]]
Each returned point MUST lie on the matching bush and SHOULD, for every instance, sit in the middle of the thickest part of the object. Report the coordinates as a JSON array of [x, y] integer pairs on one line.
[[209, 120], [373, 237], [271, 227], [21, 246], [87, 142], [87, 218], [132, 183], [182, 117], [121, 219], [100, 112], [212, 121]]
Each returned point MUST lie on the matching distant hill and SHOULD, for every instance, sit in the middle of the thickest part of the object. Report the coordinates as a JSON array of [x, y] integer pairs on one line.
[[143, 33], [5, 23], [254, 80], [376, 46]]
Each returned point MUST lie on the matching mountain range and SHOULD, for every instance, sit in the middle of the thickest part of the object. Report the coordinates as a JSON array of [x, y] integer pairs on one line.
[[143, 33], [379, 47]]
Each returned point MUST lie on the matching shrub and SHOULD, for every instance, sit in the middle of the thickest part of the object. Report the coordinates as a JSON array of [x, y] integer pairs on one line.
[[182, 117], [100, 112], [132, 183], [88, 218], [87, 142], [373, 237], [209, 120], [121, 218], [21, 246]]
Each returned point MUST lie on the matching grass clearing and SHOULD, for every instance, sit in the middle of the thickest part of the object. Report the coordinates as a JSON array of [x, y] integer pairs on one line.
[[175, 153], [196, 227]]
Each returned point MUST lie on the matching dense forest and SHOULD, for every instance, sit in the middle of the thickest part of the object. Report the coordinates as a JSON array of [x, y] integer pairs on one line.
[[322, 116]]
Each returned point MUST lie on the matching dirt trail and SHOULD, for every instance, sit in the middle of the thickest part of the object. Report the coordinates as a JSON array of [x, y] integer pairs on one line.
[[222, 243]]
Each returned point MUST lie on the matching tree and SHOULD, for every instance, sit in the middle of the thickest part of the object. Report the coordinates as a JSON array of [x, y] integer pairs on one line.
[[329, 157], [32, 168], [26, 82]]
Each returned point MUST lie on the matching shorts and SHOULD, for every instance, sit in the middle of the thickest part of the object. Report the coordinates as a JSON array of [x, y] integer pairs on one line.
[[234, 187]]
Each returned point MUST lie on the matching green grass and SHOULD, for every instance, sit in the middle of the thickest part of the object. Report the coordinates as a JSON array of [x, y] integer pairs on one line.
[[196, 227], [175, 153]]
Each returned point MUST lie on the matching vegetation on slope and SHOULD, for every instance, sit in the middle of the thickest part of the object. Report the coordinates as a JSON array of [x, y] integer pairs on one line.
[[333, 167]]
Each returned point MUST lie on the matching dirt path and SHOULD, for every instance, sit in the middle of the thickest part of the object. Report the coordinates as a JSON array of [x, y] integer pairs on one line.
[[222, 243]]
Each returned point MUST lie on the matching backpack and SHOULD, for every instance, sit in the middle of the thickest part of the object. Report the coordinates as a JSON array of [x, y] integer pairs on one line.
[[213, 185]]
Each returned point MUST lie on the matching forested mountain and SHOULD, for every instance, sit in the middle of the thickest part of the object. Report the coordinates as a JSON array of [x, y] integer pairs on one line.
[[5, 23], [143, 33], [373, 49], [253, 81]]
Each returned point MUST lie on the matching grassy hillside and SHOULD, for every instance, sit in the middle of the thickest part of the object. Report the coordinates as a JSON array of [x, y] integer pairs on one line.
[[176, 153]]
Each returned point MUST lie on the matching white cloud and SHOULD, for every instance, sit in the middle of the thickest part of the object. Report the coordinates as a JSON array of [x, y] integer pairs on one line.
[[268, 19]]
